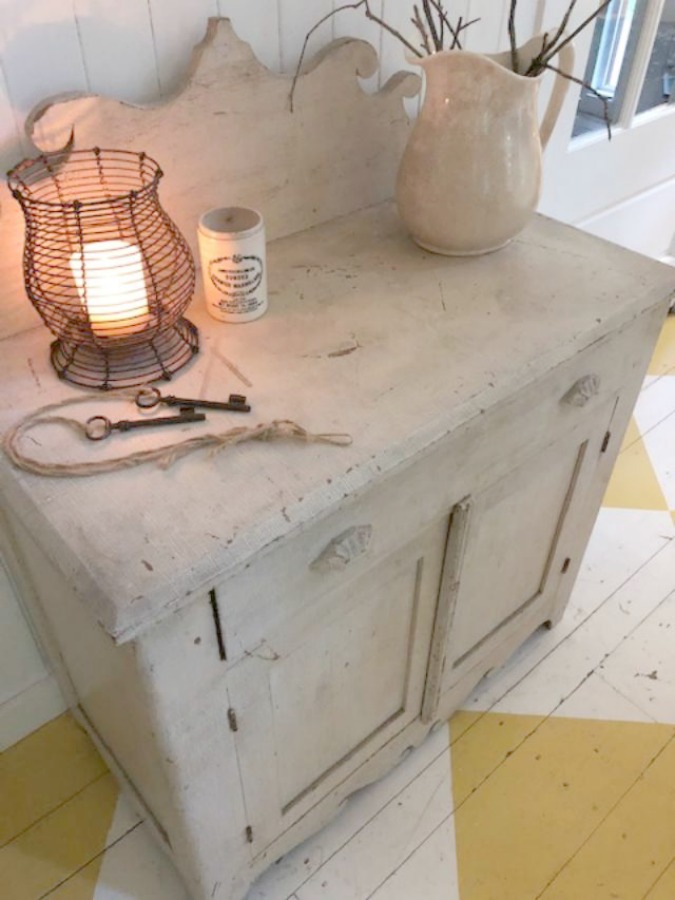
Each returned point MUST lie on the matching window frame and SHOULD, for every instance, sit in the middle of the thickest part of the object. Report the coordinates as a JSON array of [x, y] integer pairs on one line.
[[623, 106]]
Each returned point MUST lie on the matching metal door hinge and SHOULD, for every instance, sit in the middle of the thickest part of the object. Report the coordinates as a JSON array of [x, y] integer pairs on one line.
[[605, 443], [232, 719], [249, 834]]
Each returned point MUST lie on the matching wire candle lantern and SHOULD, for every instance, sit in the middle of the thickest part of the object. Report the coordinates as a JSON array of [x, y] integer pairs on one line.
[[105, 267]]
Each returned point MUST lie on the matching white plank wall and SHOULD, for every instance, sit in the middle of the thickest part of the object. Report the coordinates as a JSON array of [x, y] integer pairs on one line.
[[139, 50]]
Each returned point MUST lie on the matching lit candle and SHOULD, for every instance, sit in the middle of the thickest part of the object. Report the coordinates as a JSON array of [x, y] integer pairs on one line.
[[110, 280]]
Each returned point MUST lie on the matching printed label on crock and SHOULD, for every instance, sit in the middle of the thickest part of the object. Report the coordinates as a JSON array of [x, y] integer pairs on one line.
[[238, 278]]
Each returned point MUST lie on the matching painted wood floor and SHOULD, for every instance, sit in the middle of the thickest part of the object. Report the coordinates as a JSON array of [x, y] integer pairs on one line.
[[556, 780]]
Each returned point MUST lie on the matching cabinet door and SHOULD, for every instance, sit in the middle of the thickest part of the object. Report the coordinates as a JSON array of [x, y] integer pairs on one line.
[[507, 554], [317, 701]]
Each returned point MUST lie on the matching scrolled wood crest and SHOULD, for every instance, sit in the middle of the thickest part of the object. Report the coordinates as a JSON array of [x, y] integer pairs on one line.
[[228, 138]]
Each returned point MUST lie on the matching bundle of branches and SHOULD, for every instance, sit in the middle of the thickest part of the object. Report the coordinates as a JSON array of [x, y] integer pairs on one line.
[[436, 32]]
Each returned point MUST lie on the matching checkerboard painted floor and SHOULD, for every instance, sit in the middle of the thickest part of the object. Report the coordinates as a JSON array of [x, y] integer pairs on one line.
[[556, 780]]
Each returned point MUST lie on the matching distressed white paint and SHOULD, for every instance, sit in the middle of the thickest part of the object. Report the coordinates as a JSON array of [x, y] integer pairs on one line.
[[453, 387], [138, 50], [229, 137]]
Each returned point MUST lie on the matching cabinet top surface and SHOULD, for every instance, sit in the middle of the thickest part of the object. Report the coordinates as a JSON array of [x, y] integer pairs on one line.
[[366, 334]]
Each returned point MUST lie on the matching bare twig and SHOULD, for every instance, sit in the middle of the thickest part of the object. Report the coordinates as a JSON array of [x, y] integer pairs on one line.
[[419, 25], [438, 6], [554, 50], [441, 24], [457, 29], [426, 6], [588, 87], [369, 14], [515, 63], [456, 43], [563, 26], [432, 22], [462, 26]]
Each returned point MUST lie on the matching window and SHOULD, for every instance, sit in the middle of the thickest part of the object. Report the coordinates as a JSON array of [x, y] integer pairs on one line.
[[631, 64], [659, 82], [609, 66]]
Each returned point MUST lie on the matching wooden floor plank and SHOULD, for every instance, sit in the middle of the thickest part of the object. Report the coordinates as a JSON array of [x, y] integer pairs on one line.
[[43, 771], [523, 824], [430, 873], [664, 887], [133, 867], [481, 750], [633, 843], [61, 843]]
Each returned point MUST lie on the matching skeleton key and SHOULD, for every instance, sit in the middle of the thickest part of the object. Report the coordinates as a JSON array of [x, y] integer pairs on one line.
[[97, 428], [149, 397]]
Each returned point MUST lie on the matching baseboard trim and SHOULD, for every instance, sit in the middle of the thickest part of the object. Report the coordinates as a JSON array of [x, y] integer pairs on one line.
[[29, 710]]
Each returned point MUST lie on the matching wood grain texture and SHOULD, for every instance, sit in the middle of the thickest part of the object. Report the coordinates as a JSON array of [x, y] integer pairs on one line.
[[418, 359], [246, 736], [228, 136]]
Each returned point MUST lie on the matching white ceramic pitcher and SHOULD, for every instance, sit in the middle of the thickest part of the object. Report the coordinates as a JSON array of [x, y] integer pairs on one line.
[[470, 176]]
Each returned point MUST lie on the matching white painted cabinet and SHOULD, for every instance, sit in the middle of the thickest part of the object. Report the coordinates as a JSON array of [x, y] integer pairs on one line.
[[253, 636]]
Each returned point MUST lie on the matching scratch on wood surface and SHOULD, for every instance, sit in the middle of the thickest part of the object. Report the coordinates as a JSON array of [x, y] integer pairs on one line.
[[441, 783], [36, 377], [264, 652], [207, 373], [345, 350], [231, 366]]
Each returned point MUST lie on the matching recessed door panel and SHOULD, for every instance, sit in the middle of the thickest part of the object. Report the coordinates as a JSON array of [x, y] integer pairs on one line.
[[513, 534], [353, 676], [313, 709]]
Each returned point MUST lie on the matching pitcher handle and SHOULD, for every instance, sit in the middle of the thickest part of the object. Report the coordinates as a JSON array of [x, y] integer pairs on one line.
[[560, 88]]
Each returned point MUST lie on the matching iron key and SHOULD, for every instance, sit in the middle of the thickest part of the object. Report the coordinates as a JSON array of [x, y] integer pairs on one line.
[[97, 428], [149, 397]]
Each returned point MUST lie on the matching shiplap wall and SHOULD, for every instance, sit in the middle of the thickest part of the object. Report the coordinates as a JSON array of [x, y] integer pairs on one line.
[[139, 51]]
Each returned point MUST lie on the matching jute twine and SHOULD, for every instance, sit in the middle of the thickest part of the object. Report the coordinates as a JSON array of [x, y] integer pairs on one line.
[[163, 456]]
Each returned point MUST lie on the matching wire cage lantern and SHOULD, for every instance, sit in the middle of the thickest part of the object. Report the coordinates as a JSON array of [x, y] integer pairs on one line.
[[105, 267]]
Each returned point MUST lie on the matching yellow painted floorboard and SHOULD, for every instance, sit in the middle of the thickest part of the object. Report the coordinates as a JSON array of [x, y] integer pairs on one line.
[[483, 747], [545, 801], [43, 771], [634, 484], [663, 359], [664, 888], [632, 845], [59, 844]]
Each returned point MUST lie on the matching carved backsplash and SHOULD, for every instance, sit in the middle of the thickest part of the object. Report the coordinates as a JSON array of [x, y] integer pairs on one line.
[[228, 137]]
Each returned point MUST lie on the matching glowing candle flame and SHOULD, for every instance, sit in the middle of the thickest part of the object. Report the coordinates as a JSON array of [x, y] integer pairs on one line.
[[110, 280]]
